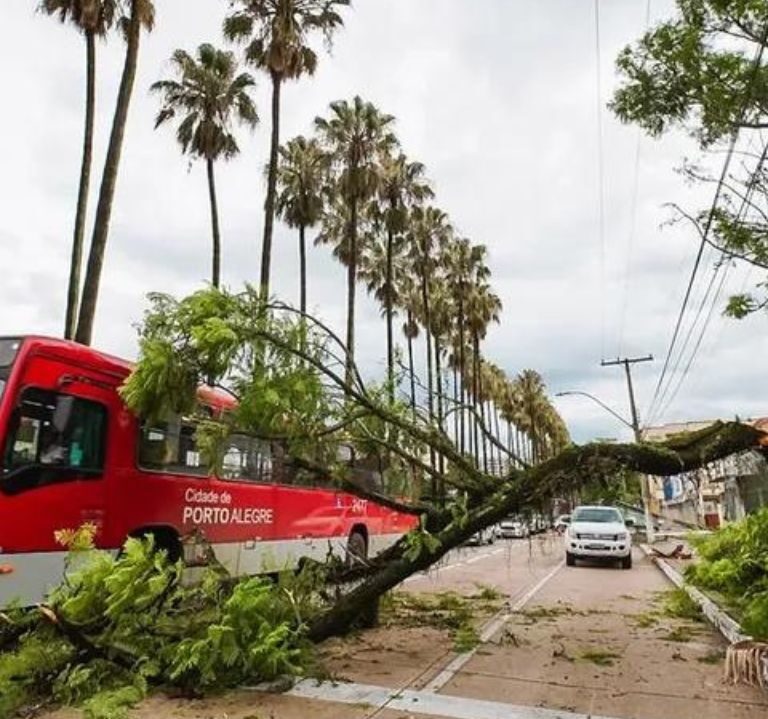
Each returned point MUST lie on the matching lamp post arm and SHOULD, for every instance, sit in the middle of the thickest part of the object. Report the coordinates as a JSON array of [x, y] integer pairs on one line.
[[599, 402]]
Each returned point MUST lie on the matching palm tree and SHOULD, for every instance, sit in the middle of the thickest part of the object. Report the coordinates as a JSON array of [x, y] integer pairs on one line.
[[409, 301], [482, 307], [93, 18], [276, 33], [208, 97], [401, 186], [301, 177], [429, 231], [356, 136], [534, 407], [142, 15], [465, 267]]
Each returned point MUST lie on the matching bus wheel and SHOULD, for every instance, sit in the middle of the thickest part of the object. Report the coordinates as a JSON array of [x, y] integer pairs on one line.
[[357, 553], [165, 539]]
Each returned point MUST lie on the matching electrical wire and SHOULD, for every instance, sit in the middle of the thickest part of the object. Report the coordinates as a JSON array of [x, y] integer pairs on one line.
[[707, 228], [724, 263], [633, 217], [600, 175]]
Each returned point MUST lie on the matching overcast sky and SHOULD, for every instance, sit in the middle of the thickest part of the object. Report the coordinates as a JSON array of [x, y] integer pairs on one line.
[[498, 98]]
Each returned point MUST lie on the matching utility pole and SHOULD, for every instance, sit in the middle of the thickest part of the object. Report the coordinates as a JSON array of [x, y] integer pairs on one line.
[[644, 485]]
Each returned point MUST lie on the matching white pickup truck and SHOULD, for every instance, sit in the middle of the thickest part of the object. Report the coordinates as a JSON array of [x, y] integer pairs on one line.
[[598, 532]]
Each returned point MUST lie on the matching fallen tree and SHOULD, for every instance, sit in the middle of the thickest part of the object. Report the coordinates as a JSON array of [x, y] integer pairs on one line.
[[118, 626], [288, 373]]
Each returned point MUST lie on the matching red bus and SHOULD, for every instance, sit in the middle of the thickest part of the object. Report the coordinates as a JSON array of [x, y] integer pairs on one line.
[[73, 453]]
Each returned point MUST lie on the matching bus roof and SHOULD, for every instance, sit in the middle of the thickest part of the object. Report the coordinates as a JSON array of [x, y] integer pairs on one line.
[[85, 356]]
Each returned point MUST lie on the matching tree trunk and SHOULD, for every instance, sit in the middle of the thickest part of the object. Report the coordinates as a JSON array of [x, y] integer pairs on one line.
[[73, 290], [216, 257], [456, 405], [269, 204], [475, 392], [499, 456], [411, 373], [302, 269], [351, 284], [389, 311], [87, 312], [462, 366], [486, 428], [439, 391], [428, 340]]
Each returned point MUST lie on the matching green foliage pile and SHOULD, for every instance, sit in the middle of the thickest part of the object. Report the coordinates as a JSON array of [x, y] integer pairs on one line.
[[118, 626], [733, 564]]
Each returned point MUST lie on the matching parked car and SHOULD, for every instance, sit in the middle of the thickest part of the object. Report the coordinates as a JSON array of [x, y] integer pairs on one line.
[[484, 536], [514, 528], [598, 532], [562, 522]]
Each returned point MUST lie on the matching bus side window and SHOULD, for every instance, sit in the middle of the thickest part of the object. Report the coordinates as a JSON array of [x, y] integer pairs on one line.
[[56, 430], [247, 459], [170, 447]]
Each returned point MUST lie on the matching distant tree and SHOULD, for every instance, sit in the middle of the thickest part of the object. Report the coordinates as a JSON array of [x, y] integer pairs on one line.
[[356, 136], [208, 98], [141, 15], [301, 177], [276, 33], [93, 18], [402, 186]]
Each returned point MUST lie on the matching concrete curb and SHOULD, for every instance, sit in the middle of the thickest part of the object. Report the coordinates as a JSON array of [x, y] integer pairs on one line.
[[723, 622]]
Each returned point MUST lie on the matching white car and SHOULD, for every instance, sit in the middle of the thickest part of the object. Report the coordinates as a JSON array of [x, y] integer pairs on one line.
[[513, 529], [598, 532], [484, 536]]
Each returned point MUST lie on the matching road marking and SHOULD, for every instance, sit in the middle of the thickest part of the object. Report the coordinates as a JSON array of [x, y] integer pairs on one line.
[[426, 703], [493, 626], [454, 565]]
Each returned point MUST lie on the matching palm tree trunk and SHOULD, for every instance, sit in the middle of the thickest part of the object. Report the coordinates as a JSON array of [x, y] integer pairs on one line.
[[455, 403], [302, 269], [388, 300], [87, 312], [439, 391], [428, 340], [73, 290], [269, 204], [475, 392], [498, 438], [485, 429], [351, 283], [410, 364], [216, 263], [462, 366]]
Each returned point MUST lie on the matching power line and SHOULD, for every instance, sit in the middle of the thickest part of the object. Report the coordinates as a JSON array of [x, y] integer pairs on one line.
[[725, 265], [710, 219], [600, 175], [633, 214]]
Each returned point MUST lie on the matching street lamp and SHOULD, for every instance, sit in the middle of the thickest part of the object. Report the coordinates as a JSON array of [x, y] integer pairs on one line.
[[602, 404], [634, 425]]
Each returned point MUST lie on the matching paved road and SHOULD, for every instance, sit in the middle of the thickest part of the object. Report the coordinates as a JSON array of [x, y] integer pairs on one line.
[[572, 643], [588, 640]]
